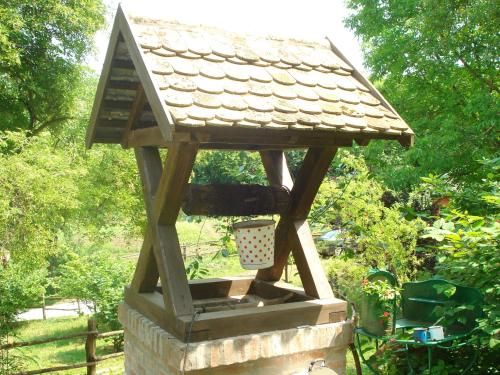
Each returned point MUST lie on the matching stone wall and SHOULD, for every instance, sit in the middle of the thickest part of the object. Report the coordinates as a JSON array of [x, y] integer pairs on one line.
[[150, 350]]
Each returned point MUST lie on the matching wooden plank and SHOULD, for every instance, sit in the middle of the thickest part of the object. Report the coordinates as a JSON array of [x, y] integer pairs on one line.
[[166, 246], [145, 137], [220, 287], [152, 91], [308, 264], [221, 324], [268, 289], [276, 168], [270, 138], [101, 86], [311, 174], [174, 180], [235, 200], [122, 85], [135, 114], [152, 306], [146, 273]]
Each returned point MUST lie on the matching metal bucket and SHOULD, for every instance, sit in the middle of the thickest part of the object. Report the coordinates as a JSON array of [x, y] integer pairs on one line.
[[255, 243]]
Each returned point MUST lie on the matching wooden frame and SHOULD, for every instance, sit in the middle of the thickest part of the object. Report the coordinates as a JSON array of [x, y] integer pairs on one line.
[[175, 305]]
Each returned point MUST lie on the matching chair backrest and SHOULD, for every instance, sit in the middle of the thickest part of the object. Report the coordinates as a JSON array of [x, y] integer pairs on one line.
[[420, 299], [375, 274]]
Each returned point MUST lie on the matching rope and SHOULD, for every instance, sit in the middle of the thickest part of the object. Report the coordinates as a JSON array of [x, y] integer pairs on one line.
[[195, 315]]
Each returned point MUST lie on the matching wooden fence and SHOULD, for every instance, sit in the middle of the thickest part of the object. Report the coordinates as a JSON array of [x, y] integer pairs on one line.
[[90, 350]]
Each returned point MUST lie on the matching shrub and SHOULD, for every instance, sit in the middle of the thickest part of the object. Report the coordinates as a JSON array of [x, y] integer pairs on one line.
[[99, 279], [353, 201]]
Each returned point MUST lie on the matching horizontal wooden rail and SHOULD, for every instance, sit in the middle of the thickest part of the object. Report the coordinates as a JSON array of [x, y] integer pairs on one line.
[[45, 341], [90, 350], [109, 334]]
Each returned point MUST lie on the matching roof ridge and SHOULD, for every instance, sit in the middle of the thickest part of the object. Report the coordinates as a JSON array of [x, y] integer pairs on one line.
[[274, 36]]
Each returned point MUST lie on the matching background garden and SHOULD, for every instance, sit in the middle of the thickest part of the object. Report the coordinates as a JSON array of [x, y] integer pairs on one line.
[[70, 218]]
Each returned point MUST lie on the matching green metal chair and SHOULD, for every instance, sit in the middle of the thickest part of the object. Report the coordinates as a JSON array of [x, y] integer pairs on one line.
[[420, 302]]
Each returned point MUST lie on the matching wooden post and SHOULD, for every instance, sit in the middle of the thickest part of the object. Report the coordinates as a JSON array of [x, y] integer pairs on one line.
[[90, 347], [44, 312]]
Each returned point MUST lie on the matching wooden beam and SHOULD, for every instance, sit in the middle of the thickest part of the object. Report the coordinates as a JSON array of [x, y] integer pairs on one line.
[[308, 263], [135, 113], [147, 137], [152, 305], [235, 200], [220, 324], [173, 184], [311, 174], [292, 232], [220, 287], [160, 110], [146, 273], [163, 196], [103, 82], [276, 168]]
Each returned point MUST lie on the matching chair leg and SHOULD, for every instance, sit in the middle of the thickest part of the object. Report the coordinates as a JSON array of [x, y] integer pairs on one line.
[[361, 355], [429, 359], [474, 357], [410, 368]]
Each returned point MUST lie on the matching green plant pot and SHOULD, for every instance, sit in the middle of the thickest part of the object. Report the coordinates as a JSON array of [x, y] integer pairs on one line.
[[369, 316]]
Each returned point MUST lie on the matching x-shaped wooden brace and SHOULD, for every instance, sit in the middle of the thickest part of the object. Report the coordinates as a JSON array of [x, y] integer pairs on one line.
[[161, 254], [293, 233], [163, 192]]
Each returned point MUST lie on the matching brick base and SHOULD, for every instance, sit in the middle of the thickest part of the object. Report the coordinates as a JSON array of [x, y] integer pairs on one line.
[[150, 350]]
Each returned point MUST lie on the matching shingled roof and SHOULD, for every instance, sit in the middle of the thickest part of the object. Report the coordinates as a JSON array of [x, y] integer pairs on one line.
[[200, 77]]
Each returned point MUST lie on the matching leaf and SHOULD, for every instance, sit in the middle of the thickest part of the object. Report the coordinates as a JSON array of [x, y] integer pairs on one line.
[[446, 289]]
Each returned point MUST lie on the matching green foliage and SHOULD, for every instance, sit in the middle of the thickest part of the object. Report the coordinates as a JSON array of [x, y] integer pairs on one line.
[[42, 44], [196, 269], [98, 279], [345, 274], [226, 167], [38, 192], [18, 292], [436, 62], [468, 254], [383, 238]]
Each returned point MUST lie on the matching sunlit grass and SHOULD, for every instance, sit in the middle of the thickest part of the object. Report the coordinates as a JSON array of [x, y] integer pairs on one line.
[[62, 352]]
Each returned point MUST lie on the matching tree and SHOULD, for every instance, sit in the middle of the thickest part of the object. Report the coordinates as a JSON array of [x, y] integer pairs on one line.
[[436, 62], [42, 44]]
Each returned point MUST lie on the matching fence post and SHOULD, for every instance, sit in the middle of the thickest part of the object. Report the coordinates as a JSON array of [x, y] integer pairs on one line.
[[44, 313], [90, 347]]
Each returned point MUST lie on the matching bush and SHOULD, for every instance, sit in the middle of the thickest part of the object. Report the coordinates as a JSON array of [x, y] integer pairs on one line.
[[100, 279], [20, 288], [353, 201], [346, 276]]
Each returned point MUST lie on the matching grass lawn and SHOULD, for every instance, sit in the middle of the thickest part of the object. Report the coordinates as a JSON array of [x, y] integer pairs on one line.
[[61, 352]]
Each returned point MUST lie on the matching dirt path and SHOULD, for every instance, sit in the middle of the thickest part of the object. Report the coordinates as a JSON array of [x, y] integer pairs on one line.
[[67, 309]]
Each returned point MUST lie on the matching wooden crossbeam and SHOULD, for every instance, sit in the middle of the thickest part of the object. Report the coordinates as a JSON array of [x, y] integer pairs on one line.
[[146, 273], [163, 197], [292, 232]]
